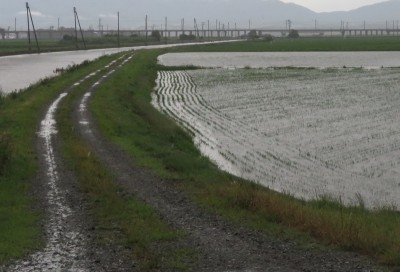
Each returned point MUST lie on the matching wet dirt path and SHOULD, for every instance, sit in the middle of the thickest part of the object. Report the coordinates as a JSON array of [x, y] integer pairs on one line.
[[222, 246], [67, 227]]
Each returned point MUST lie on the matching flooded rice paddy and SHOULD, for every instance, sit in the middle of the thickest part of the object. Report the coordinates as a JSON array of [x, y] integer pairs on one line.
[[306, 132], [283, 59]]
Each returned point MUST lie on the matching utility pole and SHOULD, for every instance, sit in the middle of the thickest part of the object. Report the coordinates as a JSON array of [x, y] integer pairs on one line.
[[29, 28], [393, 27], [289, 25], [145, 26], [208, 28], [29, 16], [80, 28], [76, 31], [15, 25], [118, 32]]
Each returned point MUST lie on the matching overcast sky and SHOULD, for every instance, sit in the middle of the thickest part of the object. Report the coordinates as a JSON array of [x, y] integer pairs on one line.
[[332, 5], [50, 13]]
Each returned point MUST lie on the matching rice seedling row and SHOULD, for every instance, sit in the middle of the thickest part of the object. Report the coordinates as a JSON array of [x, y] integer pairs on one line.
[[306, 132]]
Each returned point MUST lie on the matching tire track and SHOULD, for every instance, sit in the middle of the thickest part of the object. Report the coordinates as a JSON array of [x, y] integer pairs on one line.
[[66, 224]]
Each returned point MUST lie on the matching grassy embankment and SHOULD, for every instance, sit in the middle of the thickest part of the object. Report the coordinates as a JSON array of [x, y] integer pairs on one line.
[[127, 118], [20, 230]]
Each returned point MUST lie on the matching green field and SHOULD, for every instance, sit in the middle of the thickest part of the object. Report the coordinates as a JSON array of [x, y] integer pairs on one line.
[[11, 47], [388, 43]]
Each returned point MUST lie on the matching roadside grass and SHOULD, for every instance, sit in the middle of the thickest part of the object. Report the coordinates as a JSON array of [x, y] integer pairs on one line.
[[119, 218], [20, 230], [124, 113]]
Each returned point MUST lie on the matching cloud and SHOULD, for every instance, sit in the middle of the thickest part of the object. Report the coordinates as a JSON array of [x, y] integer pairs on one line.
[[35, 14], [108, 16]]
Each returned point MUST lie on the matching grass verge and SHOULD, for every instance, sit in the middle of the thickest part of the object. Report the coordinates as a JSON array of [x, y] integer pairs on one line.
[[119, 218], [20, 230], [126, 116]]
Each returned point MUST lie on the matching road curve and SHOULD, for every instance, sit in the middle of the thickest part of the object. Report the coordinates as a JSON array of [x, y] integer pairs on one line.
[[67, 226]]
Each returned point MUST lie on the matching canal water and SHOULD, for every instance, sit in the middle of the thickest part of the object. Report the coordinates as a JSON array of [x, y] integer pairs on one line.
[[18, 72]]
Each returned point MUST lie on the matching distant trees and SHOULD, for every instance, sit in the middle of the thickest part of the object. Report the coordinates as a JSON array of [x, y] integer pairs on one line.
[[268, 38], [294, 34], [2, 33], [156, 35], [252, 35]]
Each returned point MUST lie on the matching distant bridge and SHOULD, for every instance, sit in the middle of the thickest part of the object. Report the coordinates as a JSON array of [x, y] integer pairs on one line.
[[209, 33]]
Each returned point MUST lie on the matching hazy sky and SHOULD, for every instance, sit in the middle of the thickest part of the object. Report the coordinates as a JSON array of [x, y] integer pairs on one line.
[[51, 13], [333, 5]]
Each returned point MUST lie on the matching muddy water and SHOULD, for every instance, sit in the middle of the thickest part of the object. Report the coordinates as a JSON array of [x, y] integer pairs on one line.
[[18, 72], [283, 59]]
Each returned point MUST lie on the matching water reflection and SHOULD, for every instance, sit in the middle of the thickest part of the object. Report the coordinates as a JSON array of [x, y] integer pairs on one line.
[[284, 59], [18, 72]]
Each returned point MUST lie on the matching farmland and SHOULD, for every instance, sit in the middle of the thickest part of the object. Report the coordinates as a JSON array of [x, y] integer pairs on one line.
[[122, 109], [307, 132]]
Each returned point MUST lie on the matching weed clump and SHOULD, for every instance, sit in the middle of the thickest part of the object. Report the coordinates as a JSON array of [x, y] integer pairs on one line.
[[5, 151]]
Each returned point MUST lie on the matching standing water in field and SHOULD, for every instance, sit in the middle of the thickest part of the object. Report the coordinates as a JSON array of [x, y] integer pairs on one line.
[[283, 59], [307, 132]]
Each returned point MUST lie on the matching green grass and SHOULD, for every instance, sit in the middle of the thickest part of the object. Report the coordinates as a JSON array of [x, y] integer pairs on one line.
[[20, 230], [137, 225], [127, 118], [372, 43]]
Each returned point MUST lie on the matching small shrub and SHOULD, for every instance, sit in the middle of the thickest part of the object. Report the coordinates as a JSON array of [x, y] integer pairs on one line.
[[268, 38], [156, 35], [187, 37], [252, 35], [5, 151], [68, 38], [14, 94]]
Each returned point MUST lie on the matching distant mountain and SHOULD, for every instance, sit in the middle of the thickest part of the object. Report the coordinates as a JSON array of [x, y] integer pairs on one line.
[[259, 13], [374, 15]]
